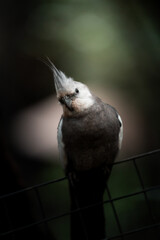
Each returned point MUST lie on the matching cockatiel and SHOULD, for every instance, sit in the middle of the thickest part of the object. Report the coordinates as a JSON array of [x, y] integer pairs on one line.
[[90, 135]]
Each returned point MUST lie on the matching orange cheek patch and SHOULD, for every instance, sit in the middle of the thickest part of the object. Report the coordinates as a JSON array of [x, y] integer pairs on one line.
[[77, 105]]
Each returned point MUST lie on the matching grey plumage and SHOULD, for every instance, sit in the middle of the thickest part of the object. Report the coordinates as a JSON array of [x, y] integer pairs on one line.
[[91, 138], [90, 133]]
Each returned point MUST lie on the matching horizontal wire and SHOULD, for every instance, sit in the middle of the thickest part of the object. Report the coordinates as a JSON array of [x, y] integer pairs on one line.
[[77, 210], [138, 156], [133, 194], [33, 187], [84, 208], [135, 231], [64, 178]]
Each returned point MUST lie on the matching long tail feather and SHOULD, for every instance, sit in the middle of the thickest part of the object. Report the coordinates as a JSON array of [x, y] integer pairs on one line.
[[87, 193]]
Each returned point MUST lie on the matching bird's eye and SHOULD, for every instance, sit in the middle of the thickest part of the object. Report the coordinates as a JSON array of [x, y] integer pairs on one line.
[[76, 90]]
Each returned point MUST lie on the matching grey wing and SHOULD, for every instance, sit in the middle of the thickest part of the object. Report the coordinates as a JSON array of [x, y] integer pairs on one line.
[[61, 146], [120, 131], [120, 136]]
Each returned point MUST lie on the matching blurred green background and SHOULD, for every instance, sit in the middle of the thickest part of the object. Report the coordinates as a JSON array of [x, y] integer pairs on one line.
[[114, 48]]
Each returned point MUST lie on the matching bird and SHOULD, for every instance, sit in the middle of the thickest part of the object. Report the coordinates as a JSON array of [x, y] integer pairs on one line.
[[89, 134]]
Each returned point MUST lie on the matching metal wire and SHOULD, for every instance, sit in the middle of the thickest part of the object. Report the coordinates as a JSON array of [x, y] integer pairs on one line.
[[111, 200], [115, 213]]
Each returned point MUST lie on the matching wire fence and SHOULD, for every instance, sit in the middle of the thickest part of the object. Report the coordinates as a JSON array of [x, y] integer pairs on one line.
[[112, 200]]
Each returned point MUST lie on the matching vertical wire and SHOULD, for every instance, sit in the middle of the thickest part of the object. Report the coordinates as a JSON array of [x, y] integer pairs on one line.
[[114, 211], [42, 210], [145, 194]]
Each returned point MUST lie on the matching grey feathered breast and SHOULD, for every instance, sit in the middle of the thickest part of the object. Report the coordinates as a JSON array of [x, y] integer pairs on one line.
[[91, 139]]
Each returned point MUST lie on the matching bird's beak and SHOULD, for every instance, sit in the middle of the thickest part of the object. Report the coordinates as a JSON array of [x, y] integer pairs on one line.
[[68, 103], [60, 88]]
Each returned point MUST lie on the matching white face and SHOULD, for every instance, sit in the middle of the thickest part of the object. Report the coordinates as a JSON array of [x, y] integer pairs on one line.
[[84, 92], [74, 96], [84, 98]]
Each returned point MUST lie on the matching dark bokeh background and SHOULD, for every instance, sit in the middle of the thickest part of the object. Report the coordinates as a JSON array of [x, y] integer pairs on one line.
[[113, 47]]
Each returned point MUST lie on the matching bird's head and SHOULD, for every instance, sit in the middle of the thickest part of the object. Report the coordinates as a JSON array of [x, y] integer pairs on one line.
[[75, 97]]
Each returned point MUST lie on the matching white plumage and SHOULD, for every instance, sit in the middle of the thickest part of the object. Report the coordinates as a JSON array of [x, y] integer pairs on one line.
[[120, 132]]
